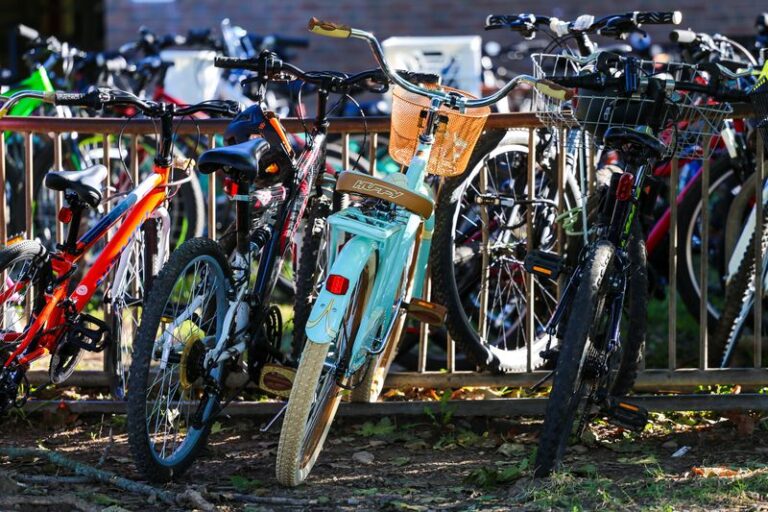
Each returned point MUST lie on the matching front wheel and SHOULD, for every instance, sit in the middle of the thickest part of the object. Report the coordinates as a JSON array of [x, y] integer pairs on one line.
[[571, 385], [172, 393]]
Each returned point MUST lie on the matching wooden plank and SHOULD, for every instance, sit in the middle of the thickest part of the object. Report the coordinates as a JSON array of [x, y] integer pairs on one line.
[[495, 407]]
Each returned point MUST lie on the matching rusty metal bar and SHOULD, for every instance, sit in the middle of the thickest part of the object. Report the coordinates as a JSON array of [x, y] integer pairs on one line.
[[58, 166], [372, 150], [105, 148], [485, 274], [135, 160], [424, 327], [459, 408], [29, 185], [212, 199], [704, 270], [3, 205], [759, 227], [648, 380], [114, 125], [530, 297], [672, 287]]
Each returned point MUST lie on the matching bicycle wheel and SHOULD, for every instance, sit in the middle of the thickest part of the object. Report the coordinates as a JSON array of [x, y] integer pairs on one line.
[[25, 270], [126, 297], [723, 183], [494, 337], [315, 394], [171, 401], [737, 316], [585, 325], [311, 268]]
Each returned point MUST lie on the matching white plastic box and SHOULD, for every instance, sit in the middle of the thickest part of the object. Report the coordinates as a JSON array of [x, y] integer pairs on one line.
[[455, 58], [192, 78]]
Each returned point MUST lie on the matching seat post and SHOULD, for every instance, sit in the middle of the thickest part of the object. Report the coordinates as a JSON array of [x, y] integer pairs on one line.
[[74, 225]]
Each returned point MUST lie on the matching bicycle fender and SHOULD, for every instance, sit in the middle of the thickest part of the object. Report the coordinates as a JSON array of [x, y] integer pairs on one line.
[[328, 312]]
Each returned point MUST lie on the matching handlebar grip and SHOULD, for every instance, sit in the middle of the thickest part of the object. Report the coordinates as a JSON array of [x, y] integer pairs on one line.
[[553, 90], [28, 32], [231, 63], [590, 81], [76, 99], [329, 29], [659, 18], [683, 36]]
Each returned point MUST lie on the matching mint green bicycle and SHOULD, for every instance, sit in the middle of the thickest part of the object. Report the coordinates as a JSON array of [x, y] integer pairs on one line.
[[377, 256]]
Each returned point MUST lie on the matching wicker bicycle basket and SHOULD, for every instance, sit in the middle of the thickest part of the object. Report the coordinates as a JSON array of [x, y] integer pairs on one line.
[[454, 140]]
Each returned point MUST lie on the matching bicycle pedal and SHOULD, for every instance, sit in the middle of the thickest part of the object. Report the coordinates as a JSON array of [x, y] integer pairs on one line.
[[626, 415], [544, 264], [426, 312], [276, 380], [87, 338]]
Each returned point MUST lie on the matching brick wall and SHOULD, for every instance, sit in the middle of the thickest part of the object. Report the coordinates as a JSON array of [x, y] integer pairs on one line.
[[395, 18]]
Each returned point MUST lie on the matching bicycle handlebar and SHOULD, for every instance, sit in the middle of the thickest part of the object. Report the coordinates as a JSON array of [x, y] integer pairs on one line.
[[331, 29], [100, 98], [612, 25]]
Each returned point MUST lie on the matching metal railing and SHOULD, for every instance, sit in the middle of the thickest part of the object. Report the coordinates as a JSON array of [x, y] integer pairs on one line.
[[656, 379]]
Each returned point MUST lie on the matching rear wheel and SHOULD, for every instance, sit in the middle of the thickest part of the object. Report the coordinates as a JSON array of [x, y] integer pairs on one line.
[[315, 394]]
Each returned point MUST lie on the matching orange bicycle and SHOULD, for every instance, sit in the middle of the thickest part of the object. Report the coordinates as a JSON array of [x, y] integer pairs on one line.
[[41, 309]]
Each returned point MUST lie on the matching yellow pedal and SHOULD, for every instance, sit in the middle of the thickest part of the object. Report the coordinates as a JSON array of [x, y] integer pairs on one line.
[[277, 380], [426, 312]]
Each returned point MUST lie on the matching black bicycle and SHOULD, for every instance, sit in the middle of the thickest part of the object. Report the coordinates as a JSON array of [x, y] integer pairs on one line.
[[211, 313], [646, 113]]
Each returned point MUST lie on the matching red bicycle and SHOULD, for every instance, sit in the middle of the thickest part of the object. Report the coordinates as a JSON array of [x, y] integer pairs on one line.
[[41, 309]]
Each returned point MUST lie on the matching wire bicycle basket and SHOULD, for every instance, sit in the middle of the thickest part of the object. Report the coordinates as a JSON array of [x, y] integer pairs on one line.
[[690, 123], [455, 138]]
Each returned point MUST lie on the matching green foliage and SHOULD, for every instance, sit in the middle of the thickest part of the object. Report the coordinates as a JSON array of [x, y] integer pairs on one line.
[[384, 427], [244, 484], [444, 413]]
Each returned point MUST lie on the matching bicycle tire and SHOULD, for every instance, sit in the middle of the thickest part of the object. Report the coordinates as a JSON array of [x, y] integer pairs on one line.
[[311, 269], [163, 287], [118, 354], [445, 288], [293, 463], [738, 295], [567, 386]]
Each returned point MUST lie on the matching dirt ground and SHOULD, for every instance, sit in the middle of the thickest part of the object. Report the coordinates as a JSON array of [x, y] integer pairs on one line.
[[429, 463]]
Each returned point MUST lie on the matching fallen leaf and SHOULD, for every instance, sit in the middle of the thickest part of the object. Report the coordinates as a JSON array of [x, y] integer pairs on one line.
[[510, 449]]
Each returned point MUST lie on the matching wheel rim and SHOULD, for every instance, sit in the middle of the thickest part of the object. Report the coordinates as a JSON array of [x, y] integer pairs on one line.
[[507, 301], [177, 417], [16, 303]]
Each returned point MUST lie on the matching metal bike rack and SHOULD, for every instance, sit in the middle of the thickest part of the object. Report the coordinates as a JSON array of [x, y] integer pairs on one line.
[[655, 380]]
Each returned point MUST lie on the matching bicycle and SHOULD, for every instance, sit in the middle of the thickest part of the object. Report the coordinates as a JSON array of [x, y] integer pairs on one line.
[[43, 308], [210, 313], [627, 106], [368, 285], [481, 241]]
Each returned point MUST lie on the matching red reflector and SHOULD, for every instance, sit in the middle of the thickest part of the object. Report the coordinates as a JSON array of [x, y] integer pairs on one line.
[[230, 187], [65, 215], [336, 284], [624, 189]]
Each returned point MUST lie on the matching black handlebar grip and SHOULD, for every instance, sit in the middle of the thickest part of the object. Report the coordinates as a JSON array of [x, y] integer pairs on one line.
[[28, 32], [76, 99], [659, 18], [232, 63], [683, 36]]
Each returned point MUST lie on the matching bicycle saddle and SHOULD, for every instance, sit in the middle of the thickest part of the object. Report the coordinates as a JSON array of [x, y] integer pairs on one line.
[[86, 183], [361, 184], [243, 157], [618, 136]]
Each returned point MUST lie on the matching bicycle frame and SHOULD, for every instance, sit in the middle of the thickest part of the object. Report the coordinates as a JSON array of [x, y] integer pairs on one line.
[[394, 242], [51, 323]]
